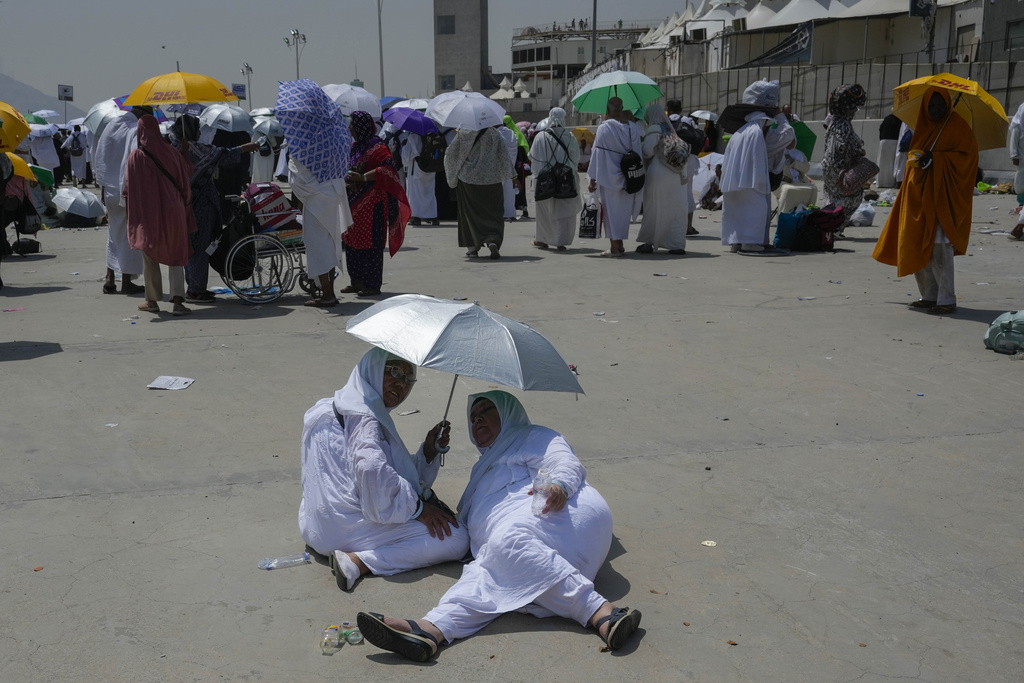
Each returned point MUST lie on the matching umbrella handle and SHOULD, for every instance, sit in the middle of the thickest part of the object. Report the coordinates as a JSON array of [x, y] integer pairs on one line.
[[437, 446]]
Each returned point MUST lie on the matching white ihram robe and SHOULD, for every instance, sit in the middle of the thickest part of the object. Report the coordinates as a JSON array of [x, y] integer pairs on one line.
[[612, 141], [78, 164], [419, 183], [507, 187], [108, 166], [665, 203], [542, 566], [361, 487], [325, 216], [556, 218], [746, 205]]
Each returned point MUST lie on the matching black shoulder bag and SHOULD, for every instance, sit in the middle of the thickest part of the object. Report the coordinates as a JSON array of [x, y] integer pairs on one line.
[[557, 181]]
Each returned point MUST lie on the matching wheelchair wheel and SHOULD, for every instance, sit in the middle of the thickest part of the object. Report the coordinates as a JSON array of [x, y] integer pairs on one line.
[[262, 266]]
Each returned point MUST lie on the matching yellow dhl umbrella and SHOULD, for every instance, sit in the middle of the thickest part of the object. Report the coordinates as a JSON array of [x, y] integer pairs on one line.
[[584, 134], [13, 127], [982, 112], [21, 167], [179, 87]]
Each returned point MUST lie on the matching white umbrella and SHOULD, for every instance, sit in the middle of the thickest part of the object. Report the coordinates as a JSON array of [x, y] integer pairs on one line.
[[226, 117], [79, 202], [47, 114], [705, 115], [39, 130], [417, 103], [352, 98], [465, 339], [269, 126], [99, 115], [261, 111], [465, 110], [76, 122]]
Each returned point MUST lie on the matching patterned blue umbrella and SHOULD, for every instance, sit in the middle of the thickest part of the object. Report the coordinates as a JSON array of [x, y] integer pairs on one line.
[[315, 129]]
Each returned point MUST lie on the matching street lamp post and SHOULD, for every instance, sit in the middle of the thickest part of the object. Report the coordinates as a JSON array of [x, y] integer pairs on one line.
[[297, 40], [380, 45], [247, 72]]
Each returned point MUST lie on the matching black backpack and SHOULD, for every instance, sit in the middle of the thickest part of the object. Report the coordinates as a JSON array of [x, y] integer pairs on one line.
[[632, 166], [693, 137], [76, 147], [431, 158]]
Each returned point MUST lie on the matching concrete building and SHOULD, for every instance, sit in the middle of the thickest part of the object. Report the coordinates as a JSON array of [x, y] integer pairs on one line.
[[460, 45], [547, 57]]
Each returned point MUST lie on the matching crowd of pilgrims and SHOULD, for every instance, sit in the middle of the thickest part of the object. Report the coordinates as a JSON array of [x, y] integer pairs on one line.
[[397, 178]]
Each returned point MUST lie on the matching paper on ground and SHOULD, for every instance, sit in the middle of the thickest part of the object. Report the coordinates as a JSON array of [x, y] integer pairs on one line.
[[172, 383]]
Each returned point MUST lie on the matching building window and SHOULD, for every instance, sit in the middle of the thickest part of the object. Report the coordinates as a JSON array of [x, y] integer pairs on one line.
[[527, 106], [446, 82], [445, 24], [544, 54], [699, 34], [531, 55], [1015, 35], [579, 51], [540, 90]]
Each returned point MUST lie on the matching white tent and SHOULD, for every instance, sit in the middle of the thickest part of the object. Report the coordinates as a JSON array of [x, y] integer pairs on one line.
[[873, 8], [759, 16], [799, 11], [718, 18]]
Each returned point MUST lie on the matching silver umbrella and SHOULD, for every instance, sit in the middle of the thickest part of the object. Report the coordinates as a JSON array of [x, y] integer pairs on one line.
[[466, 339], [79, 202]]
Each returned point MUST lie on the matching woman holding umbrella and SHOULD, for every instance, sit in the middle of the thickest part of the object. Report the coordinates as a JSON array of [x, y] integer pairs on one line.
[[364, 496], [380, 208], [542, 565]]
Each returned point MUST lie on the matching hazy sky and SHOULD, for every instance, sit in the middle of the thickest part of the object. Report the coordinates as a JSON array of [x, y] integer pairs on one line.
[[104, 48]]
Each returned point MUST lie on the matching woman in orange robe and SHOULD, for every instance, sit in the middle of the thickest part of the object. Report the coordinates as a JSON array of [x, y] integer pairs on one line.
[[931, 219]]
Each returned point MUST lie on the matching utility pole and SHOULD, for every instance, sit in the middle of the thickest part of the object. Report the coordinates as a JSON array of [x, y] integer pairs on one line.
[[247, 72], [296, 41], [380, 45], [593, 38]]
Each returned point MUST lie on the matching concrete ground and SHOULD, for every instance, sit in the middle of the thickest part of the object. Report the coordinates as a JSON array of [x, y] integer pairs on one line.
[[858, 464]]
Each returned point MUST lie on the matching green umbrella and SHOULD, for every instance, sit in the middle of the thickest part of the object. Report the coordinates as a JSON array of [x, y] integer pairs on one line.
[[32, 118], [805, 139], [633, 88], [44, 175]]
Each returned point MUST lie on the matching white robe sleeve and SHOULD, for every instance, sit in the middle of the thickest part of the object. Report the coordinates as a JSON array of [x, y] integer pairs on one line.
[[384, 496], [564, 466]]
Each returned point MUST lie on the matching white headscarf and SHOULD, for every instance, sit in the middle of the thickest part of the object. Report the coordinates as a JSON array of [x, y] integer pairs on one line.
[[515, 428], [363, 395], [556, 117], [655, 115]]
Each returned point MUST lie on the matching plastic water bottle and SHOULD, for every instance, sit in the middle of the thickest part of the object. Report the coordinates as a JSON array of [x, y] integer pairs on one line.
[[541, 486], [269, 563], [351, 633], [331, 640]]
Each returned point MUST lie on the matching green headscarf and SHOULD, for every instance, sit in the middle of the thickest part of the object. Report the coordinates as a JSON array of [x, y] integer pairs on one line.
[[520, 138]]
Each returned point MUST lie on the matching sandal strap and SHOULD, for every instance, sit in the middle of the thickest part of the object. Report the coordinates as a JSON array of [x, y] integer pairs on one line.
[[420, 632], [616, 614]]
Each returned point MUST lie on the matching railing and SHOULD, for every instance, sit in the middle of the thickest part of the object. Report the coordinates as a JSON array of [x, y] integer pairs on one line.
[[563, 27]]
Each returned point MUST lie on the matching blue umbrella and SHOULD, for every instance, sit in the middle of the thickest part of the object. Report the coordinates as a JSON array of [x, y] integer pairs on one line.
[[315, 129], [386, 102], [411, 120]]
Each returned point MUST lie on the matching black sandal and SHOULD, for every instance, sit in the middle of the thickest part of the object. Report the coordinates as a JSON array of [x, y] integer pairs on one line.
[[415, 646], [622, 623], [922, 303]]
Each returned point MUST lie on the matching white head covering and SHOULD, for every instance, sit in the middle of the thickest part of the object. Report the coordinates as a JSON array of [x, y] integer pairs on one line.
[[762, 93], [656, 115], [515, 428], [363, 395], [556, 117]]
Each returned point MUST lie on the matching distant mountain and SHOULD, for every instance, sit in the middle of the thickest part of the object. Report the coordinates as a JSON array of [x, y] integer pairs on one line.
[[25, 98]]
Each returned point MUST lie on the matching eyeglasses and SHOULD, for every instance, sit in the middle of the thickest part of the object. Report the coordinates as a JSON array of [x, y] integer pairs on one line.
[[397, 373]]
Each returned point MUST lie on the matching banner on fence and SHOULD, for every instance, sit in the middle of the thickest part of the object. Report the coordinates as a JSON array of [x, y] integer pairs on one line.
[[796, 47]]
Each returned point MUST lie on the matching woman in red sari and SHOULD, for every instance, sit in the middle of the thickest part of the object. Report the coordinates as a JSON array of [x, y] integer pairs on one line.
[[379, 206]]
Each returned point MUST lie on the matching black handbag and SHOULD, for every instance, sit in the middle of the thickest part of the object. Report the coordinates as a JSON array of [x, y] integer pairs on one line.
[[558, 181]]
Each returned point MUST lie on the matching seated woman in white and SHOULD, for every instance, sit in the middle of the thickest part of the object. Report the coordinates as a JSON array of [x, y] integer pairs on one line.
[[363, 494], [542, 566]]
